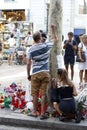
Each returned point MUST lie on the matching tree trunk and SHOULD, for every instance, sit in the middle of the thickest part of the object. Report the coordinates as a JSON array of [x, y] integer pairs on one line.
[[55, 32]]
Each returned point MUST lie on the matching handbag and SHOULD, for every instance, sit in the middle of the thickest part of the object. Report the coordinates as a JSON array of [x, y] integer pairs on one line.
[[82, 56]]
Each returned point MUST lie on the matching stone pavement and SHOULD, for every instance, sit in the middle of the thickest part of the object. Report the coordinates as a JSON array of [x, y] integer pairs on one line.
[[10, 74], [17, 73]]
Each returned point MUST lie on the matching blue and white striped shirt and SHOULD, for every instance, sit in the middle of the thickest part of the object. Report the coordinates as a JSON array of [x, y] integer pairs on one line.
[[39, 54]]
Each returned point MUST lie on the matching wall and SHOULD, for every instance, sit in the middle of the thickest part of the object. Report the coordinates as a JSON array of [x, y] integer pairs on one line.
[[80, 19], [71, 18], [68, 16], [18, 4], [38, 14]]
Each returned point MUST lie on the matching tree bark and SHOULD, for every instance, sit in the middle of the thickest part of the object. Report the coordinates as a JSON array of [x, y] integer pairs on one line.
[[55, 21], [55, 33]]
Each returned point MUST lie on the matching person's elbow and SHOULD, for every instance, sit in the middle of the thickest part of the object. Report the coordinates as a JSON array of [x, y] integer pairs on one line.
[[75, 94], [64, 47], [28, 62]]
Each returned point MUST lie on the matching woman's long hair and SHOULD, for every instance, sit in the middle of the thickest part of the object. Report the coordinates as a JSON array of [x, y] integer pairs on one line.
[[63, 77], [84, 37]]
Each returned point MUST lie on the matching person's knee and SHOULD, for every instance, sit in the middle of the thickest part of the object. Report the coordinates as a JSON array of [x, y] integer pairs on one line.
[[85, 71], [66, 67], [43, 88], [34, 92], [72, 67], [55, 105], [81, 71]]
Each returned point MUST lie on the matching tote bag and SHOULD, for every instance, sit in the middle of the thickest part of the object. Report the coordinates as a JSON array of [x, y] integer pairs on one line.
[[82, 56]]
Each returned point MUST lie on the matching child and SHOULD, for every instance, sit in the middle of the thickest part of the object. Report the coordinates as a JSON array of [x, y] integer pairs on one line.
[[62, 96]]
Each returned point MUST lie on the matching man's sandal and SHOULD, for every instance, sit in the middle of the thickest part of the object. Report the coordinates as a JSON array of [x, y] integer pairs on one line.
[[32, 115], [43, 117]]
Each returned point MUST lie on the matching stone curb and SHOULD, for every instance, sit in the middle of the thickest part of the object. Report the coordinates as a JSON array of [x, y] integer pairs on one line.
[[30, 122]]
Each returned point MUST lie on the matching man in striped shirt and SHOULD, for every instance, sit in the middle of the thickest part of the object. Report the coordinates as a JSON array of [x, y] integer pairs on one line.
[[38, 55]]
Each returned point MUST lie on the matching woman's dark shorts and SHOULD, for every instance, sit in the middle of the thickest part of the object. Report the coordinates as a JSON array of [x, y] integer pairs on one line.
[[68, 106]]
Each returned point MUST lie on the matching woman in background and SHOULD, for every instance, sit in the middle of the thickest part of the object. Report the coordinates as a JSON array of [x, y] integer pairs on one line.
[[12, 43], [83, 65]]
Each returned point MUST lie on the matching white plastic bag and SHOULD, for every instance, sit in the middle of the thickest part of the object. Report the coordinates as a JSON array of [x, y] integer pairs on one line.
[[60, 61], [28, 96]]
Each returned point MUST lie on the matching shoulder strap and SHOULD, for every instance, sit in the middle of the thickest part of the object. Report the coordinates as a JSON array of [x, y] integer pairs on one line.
[[54, 83], [82, 45], [72, 42]]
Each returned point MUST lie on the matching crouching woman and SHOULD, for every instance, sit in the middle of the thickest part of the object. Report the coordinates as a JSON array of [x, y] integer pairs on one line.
[[63, 97]]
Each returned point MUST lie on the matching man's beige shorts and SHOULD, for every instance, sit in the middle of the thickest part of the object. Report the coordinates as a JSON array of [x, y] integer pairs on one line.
[[39, 81]]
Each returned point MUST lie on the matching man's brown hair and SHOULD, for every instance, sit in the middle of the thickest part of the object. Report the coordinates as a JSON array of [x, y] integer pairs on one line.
[[70, 33], [36, 36]]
